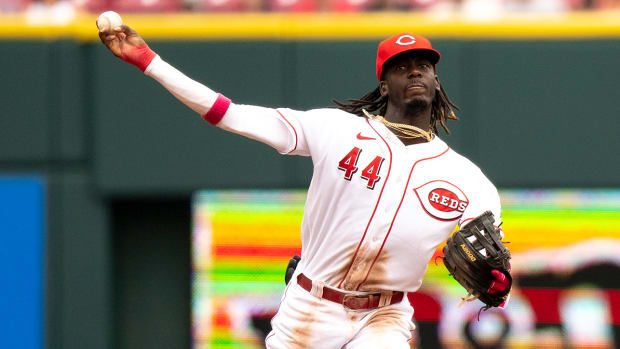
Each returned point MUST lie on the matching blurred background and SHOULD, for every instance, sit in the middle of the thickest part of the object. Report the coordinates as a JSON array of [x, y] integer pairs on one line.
[[127, 222], [472, 7]]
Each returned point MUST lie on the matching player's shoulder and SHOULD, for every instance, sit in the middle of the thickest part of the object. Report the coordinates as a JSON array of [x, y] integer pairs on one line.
[[330, 116], [463, 162], [334, 113], [468, 169]]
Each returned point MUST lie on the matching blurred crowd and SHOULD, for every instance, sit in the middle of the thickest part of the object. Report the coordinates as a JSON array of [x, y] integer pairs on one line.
[[68, 7]]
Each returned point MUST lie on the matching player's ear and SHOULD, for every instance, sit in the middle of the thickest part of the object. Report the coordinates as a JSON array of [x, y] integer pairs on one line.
[[383, 88], [436, 83]]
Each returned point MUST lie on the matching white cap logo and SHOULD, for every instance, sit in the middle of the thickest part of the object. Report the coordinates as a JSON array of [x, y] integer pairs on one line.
[[405, 40]]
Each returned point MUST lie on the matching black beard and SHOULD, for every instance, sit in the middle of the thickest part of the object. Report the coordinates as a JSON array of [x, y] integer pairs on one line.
[[416, 106]]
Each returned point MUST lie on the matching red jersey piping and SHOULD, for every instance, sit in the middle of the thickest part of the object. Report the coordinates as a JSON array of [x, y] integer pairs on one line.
[[395, 214], [373, 211]]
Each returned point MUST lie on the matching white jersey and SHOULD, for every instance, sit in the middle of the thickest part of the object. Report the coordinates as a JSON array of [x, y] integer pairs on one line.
[[376, 209]]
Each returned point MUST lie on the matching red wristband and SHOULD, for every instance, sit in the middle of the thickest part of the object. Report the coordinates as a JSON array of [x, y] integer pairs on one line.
[[217, 111], [140, 56]]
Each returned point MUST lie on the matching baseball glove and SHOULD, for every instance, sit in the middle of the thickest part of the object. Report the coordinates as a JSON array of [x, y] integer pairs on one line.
[[475, 256]]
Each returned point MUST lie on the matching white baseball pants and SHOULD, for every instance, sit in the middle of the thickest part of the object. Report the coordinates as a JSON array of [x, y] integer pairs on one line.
[[306, 321]]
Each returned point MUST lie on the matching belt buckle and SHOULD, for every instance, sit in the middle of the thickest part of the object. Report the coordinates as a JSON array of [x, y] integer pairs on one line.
[[357, 296]]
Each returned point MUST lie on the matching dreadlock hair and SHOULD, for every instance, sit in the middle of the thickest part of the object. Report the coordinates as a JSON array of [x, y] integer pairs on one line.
[[442, 108]]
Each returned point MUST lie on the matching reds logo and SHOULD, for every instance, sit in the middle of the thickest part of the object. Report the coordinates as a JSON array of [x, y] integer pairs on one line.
[[405, 40], [442, 200]]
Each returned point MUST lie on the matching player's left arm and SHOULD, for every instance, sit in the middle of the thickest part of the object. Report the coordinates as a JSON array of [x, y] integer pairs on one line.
[[486, 198]]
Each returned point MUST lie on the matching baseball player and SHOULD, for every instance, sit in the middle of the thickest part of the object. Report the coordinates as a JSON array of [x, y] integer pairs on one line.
[[385, 191]]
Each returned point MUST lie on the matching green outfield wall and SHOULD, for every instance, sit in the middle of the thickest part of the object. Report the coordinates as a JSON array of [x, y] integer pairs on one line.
[[534, 113]]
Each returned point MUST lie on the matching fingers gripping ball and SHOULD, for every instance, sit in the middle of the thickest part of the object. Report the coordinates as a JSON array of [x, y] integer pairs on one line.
[[476, 257], [109, 20], [125, 43]]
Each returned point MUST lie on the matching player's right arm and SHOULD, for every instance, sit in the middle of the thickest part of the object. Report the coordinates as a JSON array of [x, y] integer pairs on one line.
[[266, 125]]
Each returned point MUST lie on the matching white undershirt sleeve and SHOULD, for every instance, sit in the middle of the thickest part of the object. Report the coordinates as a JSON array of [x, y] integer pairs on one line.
[[265, 125], [193, 94]]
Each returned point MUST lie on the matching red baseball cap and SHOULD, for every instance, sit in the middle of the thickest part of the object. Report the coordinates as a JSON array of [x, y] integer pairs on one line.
[[400, 43]]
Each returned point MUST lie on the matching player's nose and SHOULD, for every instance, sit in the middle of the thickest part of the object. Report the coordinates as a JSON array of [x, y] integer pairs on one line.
[[414, 72]]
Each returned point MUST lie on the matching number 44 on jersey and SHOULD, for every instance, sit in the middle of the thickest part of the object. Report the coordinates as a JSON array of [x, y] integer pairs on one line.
[[348, 164]]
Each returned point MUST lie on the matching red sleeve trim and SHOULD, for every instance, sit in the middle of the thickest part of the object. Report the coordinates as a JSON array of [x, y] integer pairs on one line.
[[465, 220], [294, 130], [217, 111]]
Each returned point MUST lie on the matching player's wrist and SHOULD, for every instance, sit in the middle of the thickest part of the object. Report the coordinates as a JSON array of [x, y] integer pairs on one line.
[[140, 56]]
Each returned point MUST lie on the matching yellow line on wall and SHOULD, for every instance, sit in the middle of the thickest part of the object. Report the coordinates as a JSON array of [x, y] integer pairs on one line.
[[326, 26]]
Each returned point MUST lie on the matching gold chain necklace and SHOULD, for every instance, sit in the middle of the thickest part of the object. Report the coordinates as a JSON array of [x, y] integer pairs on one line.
[[408, 130]]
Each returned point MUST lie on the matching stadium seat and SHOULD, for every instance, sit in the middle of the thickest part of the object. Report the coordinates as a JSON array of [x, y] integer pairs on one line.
[[295, 5], [94, 6], [11, 6], [228, 5], [146, 5], [352, 5]]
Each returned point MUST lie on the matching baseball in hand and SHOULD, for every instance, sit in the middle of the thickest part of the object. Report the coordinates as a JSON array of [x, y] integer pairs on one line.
[[109, 20]]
